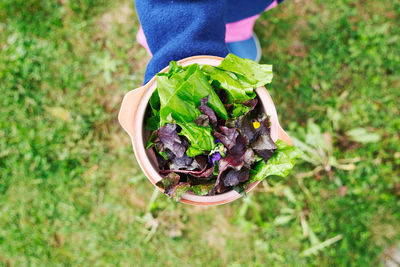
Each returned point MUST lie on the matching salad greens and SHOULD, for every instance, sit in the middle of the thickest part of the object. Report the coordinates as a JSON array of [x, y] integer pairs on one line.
[[248, 71], [209, 131], [280, 164]]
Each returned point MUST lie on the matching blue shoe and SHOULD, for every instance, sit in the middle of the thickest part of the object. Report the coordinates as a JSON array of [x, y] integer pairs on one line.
[[249, 48]]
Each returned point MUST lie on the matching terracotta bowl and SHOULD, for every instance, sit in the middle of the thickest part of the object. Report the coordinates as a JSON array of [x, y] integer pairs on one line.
[[131, 118]]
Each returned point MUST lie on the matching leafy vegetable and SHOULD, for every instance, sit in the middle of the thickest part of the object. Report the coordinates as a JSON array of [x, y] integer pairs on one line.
[[184, 162], [240, 109], [200, 138], [227, 136], [202, 88], [240, 155], [170, 139], [202, 120], [186, 89], [247, 70], [181, 93], [234, 177], [154, 121], [209, 133], [229, 82], [206, 110], [180, 106], [257, 131], [264, 146], [279, 164]]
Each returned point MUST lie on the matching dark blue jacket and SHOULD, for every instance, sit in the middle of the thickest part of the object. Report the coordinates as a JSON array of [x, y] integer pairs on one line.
[[181, 28]]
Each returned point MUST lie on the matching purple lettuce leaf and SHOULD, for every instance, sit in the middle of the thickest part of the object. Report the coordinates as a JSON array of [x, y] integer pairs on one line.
[[206, 110], [169, 139], [227, 136], [252, 103], [205, 172], [191, 172], [264, 147], [245, 126], [219, 188], [222, 94], [202, 120], [240, 155], [201, 170], [234, 177], [265, 124], [257, 130], [201, 160], [184, 162]]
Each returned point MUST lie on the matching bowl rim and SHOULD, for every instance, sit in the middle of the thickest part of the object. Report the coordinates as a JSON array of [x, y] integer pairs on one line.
[[142, 155]]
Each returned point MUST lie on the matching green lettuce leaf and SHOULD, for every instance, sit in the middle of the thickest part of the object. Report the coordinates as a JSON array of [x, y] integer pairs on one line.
[[174, 67], [180, 93], [239, 110], [230, 83], [280, 164], [166, 87], [180, 106], [189, 85], [155, 102], [200, 138], [247, 70], [153, 123], [202, 88]]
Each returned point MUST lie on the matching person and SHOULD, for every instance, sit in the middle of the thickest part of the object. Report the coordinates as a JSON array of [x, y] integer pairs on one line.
[[176, 29]]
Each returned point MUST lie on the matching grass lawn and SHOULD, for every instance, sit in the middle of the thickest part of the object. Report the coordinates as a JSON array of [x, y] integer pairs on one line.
[[72, 194]]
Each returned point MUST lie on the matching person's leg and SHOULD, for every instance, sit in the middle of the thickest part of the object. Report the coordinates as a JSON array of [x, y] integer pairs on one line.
[[241, 40], [239, 37]]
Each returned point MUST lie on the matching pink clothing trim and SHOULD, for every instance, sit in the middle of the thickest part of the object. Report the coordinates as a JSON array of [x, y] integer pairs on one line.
[[236, 31], [243, 29], [141, 38], [240, 30]]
